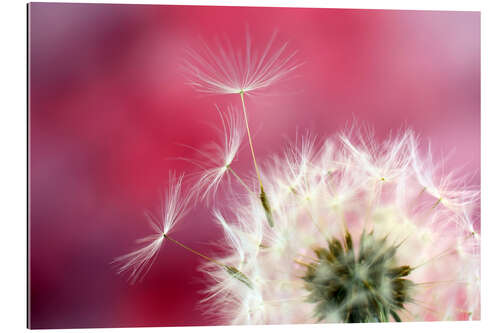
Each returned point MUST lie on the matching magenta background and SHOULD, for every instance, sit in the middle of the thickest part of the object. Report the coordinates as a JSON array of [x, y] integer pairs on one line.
[[108, 105]]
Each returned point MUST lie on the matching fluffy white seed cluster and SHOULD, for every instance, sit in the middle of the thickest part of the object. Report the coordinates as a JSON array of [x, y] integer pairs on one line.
[[318, 191]]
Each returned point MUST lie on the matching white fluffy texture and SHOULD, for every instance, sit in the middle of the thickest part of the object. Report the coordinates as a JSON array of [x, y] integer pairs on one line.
[[217, 157], [138, 262], [225, 70], [316, 188]]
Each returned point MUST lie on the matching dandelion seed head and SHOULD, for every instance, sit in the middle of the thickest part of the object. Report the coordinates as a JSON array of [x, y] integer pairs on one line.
[[409, 256]]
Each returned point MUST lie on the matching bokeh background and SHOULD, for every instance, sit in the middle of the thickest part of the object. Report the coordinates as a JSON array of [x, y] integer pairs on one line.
[[109, 108]]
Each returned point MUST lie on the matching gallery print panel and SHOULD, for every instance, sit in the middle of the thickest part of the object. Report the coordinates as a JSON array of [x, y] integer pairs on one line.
[[193, 165]]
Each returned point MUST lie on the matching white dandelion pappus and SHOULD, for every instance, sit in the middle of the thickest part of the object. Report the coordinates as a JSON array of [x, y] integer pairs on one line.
[[233, 240], [241, 72], [244, 242], [392, 256], [381, 162], [175, 207], [219, 156], [224, 70], [442, 188]]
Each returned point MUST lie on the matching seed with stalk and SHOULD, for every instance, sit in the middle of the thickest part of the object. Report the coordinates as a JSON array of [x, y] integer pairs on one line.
[[176, 205], [225, 71]]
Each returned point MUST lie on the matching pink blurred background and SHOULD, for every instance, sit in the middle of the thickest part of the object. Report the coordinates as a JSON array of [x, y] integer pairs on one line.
[[109, 108]]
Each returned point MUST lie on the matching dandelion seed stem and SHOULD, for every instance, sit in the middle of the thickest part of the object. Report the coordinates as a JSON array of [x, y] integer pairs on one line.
[[194, 251], [302, 263], [240, 180], [263, 196], [308, 257], [421, 192], [433, 284], [250, 137], [237, 274], [436, 257], [446, 252], [308, 211], [267, 207], [423, 305], [320, 230], [436, 203], [233, 271], [415, 200]]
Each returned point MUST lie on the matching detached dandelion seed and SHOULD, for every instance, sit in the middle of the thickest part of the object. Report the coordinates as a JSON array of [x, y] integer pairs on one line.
[[175, 207], [219, 157], [139, 262], [224, 70]]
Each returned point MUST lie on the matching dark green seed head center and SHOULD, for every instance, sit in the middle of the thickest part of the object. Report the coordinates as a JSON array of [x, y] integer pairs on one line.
[[365, 287]]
